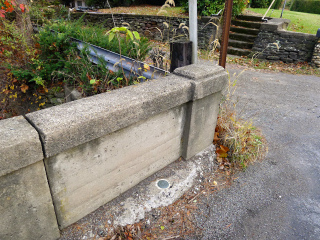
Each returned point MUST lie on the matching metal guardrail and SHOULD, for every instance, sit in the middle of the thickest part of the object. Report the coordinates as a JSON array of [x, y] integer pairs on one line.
[[114, 62]]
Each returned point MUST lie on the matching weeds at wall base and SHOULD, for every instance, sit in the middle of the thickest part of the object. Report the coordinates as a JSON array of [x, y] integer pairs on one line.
[[238, 142]]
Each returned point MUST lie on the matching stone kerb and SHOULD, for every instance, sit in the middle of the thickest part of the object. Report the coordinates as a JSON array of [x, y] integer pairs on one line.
[[98, 147], [26, 207]]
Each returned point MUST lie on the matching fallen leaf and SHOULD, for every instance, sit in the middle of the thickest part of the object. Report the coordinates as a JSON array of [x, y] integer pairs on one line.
[[221, 153], [219, 159], [216, 136], [226, 149], [24, 88]]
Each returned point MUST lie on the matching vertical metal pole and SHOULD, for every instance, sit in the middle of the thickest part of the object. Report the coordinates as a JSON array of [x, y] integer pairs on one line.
[[193, 29], [225, 32], [284, 5]]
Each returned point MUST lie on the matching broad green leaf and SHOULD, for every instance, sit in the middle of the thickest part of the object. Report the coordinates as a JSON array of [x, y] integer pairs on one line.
[[123, 29], [136, 35], [111, 36], [130, 35]]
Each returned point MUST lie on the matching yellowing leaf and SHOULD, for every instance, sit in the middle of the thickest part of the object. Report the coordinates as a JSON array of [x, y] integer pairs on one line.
[[146, 66], [226, 149], [221, 153], [24, 88], [162, 227]]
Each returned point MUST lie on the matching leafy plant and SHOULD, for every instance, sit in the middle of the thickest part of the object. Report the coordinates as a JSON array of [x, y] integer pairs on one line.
[[208, 7], [97, 35], [265, 4]]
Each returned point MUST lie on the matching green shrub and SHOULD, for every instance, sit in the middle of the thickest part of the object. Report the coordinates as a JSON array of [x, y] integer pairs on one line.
[[308, 6], [59, 60], [96, 35], [209, 7], [265, 4]]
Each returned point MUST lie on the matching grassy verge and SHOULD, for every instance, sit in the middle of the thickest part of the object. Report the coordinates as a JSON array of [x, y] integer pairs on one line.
[[300, 22], [147, 10]]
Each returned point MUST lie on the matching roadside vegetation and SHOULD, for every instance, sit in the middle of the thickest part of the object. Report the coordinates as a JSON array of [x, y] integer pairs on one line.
[[32, 69]]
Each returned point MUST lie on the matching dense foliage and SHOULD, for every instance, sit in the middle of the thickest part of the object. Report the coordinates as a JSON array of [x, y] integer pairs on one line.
[[96, 35], [265, 4], [308, 6], [59, 59], [209, 7]]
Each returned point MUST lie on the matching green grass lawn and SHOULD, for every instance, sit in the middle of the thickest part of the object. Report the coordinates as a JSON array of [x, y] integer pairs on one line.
[[300, 22]]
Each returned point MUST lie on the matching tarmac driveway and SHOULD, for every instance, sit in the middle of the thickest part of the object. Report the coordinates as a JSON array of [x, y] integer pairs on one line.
[[278, 198]]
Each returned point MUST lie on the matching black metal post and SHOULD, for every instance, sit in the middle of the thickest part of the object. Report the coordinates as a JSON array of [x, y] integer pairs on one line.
[[180, 54]]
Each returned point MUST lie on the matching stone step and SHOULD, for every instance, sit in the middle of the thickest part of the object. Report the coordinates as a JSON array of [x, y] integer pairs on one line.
[[251, 18], [238, 29], [238, 51], [240, 44], [242, 36], [247, 24]]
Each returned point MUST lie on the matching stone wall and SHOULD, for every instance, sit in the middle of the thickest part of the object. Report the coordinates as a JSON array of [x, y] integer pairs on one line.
[[60, 163], [276, 44], [160, 28], [316, 55]]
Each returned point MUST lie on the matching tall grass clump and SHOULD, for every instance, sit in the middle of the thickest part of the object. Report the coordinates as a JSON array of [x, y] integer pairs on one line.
[[239, 142]]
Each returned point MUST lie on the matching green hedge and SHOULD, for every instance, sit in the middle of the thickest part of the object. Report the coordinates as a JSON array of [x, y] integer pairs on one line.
[[265, 4], [308, 6]]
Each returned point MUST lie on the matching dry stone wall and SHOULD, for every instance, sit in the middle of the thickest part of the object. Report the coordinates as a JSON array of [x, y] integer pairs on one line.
[[159, 28], [316, 55], [276, 44]]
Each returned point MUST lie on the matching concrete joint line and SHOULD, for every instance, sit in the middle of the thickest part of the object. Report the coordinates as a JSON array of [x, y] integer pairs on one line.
[[45, 168]]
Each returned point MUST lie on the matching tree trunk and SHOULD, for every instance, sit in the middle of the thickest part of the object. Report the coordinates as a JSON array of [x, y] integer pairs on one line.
[[23, 21]]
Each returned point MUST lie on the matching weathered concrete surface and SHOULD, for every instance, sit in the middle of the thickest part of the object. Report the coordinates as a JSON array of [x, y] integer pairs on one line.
[[26, 210], [68, 125], [98, 147], [19, 145], [201, 124], [85, 177], [208, 81], [275, 24], [206, 78], [137, 202]]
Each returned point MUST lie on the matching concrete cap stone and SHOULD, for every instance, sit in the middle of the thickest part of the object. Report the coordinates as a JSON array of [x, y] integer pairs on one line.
[[207, 78], [74, 123], [20, 145], [275, 24]]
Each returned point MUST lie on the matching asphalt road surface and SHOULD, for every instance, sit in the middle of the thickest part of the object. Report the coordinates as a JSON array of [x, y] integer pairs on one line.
[[278, 198]]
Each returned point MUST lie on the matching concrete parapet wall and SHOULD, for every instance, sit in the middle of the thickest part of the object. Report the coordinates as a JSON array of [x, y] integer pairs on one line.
[[276, 44], [26, 207], [84, 153]]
